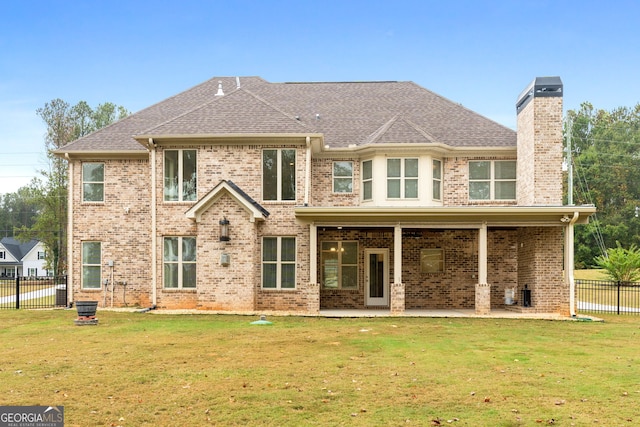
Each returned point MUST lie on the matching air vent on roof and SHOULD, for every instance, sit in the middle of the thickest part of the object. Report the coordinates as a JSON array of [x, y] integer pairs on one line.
[[219, 92]]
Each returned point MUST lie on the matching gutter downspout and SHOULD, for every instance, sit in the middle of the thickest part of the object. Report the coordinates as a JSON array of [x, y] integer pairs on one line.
[[154, 273], [69, 232], [307, 173], [569, 263]]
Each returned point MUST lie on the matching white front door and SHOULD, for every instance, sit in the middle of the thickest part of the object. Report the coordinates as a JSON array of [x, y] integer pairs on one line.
[[376, 277]]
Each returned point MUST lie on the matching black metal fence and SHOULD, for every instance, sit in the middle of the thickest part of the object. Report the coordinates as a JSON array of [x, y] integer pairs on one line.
[[601, 296], [33, 292]]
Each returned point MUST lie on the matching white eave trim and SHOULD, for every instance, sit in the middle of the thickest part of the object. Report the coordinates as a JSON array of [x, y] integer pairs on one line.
[[461, 216], [196, 211]]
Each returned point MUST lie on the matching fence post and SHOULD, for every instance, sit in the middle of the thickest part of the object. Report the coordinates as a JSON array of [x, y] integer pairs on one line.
[[618, 296], [17, 292]]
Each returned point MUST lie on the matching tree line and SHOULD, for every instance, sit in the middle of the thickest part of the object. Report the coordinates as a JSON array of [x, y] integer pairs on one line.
[[39, 209]]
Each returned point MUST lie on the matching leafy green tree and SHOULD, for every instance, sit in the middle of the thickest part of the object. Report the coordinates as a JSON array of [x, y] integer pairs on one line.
[[620, 264], [17, 209], [65, 123], [606, 156]]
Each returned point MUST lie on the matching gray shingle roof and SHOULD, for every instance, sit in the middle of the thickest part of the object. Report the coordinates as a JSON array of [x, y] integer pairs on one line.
[[17, 248], [345, 112]]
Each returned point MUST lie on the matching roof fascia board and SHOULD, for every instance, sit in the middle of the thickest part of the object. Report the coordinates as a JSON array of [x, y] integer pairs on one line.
[[436, 148], [493, 215], [231, 138], [103, 155]]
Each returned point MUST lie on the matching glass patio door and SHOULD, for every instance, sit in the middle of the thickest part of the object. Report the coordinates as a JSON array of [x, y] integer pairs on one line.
[[377, 277]]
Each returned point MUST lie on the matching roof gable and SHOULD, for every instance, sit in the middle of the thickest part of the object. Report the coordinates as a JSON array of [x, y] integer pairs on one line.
[[16, 248], [400, 130], [255, 210]]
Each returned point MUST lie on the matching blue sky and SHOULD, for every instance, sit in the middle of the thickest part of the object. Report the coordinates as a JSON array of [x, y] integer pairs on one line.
[[134, 53]]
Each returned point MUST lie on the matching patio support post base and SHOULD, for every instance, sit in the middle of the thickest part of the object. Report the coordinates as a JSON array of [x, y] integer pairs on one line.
[[313, 298], [483, 299], [397, 299]]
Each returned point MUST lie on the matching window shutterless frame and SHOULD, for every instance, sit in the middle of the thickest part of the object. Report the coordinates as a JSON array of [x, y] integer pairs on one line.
[[279, 174], [278, 262], [492, 180], [91, 265], [180, 175], [92, 182]]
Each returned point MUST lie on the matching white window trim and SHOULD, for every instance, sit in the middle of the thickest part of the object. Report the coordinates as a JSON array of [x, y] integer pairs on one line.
[[180, 175], [368, 180], [279, 263], [180, 262], [83, 264], [279, 175], [93, 182], [403, 178], [492, 180], [439, 180], [334, 177]]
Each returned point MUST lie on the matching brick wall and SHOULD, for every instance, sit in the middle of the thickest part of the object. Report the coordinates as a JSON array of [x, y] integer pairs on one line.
[[124, 235], [454, 288], [540, 267], [540, 152]]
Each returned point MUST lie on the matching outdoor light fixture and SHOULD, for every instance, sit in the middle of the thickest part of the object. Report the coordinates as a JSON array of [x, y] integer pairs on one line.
[[224, 230]]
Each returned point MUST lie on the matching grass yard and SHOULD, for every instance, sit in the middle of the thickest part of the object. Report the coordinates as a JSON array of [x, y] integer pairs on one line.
[[195, 370]]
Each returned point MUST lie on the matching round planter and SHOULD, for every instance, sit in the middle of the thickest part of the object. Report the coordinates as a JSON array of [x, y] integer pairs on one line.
[[86, 308]]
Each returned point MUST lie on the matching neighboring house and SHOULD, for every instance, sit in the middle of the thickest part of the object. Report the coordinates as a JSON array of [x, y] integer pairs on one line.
[[21, 258], [244, 195]]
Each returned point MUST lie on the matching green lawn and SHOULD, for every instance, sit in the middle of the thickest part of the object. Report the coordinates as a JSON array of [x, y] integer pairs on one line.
[[195, 370]]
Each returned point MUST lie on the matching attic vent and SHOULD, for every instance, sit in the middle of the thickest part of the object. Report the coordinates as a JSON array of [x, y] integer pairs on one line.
[[219, 92]]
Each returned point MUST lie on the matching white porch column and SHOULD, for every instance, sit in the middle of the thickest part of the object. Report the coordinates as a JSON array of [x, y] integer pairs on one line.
[[313, 287], [569, 261], [313, 253], [397, 254], [396, 290], [483, 289]]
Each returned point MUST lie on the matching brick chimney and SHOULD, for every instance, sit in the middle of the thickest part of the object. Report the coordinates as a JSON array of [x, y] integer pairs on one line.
[[539, 109]]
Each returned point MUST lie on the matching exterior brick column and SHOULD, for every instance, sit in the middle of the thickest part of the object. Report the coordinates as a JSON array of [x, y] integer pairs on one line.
[[312, 294], [397, 299], [483, 298]]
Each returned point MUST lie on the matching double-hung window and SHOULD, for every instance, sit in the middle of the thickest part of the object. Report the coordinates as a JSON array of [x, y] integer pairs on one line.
[[367, 180], [340, 265], [279, 174], [91, 265], [437, 180], [402, 178], [179, 262], [3, 255], [41, 254], [343, 177], [180, 177], [492, 180], [93, 182], [278, 262]]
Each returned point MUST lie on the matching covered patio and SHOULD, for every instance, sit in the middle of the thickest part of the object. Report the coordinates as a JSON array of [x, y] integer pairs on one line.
[[435, 260]]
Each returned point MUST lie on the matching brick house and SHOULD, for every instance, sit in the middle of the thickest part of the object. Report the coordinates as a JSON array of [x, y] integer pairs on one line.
[[244, 195]]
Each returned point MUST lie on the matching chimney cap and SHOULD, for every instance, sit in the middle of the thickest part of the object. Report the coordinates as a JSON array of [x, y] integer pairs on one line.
[[540, 87]]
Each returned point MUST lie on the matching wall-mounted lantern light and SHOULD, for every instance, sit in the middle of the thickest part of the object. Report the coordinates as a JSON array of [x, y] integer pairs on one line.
[[224, 230]]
